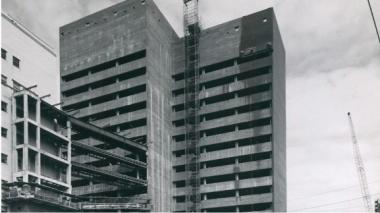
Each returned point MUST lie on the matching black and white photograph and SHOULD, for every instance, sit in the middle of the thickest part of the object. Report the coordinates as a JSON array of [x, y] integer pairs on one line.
[[190, 106]]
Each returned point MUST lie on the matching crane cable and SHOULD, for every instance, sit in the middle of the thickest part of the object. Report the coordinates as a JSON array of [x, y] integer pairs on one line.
[[374, 20]]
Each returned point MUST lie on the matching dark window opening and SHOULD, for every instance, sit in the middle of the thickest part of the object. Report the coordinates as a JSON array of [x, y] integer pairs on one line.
[[3, 54], [4, 158], [4, 106], [219, 98], [253, 73], [220, 146], [4, 132], [133, 124], [105, 66], [16, 62], [179, 76], [219, 130], [221, 194], [180, 184], [255, 174], [179, 138], [222, 209], [216, 163], [253, 90], [219, 82], [258, 55], [255, 190], [179, 169], [179, 107], [75, 91], [219, 114], [179, 153], [220, 178], [180, 199], [255, 157], [178, 92], [132, 91], [253, 107], [4, 79], [255, 207], [74, 76], [254, 123], [218, 66], [255, 140]]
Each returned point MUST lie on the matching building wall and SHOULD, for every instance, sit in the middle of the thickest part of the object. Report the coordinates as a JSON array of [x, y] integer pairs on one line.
[[160, 37], [6, 142], [38, 66], [38, 61], [242, 117], [99, 85], [279, 121]]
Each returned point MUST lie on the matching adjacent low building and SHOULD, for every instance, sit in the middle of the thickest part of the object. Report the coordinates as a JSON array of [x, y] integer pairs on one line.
[[50, 160]]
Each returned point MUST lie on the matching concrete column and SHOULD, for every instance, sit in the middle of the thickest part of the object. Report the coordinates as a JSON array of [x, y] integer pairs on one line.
[[25, 160], [205, 197], [237, 209], [14, 152], [138, 169], [68, 171], [38, 139], [118, 195]]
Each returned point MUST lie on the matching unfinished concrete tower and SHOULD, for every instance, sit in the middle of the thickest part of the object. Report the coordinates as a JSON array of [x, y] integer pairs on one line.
[[116, 68], [241, 113], [210, 106]]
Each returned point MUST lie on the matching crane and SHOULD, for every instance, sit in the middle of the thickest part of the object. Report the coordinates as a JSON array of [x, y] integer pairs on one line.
[[360, 167]]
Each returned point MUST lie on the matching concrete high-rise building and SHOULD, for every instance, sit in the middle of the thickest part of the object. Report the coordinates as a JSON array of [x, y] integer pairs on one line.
[[123, 68]]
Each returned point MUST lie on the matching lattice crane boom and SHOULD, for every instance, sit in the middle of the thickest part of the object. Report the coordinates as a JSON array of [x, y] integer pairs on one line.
[[360, 167]]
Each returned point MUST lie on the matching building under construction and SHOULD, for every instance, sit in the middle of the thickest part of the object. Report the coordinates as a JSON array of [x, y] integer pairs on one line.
[[48, 164], [209, 106]]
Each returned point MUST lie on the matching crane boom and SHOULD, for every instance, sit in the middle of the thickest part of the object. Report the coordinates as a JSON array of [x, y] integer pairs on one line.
[[360, 167]]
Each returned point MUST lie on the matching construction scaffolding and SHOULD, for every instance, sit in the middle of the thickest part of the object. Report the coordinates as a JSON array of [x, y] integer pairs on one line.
[[192, 105]]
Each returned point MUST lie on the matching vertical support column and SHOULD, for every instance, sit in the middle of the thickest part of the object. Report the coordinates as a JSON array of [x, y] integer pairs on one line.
[[38, 140], [68, 171], [137, 169], [25, 163], [13, 139]]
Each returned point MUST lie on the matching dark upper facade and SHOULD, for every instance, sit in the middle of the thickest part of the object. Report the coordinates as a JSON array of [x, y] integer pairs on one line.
[[122, 69]]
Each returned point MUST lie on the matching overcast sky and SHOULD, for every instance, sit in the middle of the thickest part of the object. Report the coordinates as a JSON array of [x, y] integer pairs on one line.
[[333, 66]]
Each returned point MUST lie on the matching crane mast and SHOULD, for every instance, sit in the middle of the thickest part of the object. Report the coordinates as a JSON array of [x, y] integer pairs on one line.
[[360, 167], [192, 105]]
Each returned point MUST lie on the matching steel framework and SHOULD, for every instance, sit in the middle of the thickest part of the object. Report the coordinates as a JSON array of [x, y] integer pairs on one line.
[[192, 105], [360, 167]]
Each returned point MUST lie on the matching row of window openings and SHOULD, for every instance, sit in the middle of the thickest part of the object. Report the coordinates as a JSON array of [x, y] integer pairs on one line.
[[230, 161], [115, 112], [230, 144], [227, 80], [227, 96], [15, 60], [230, 128], [225, 113], [225, 64], [105, 82], [230, 177], [106, 98], [105, 66]]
